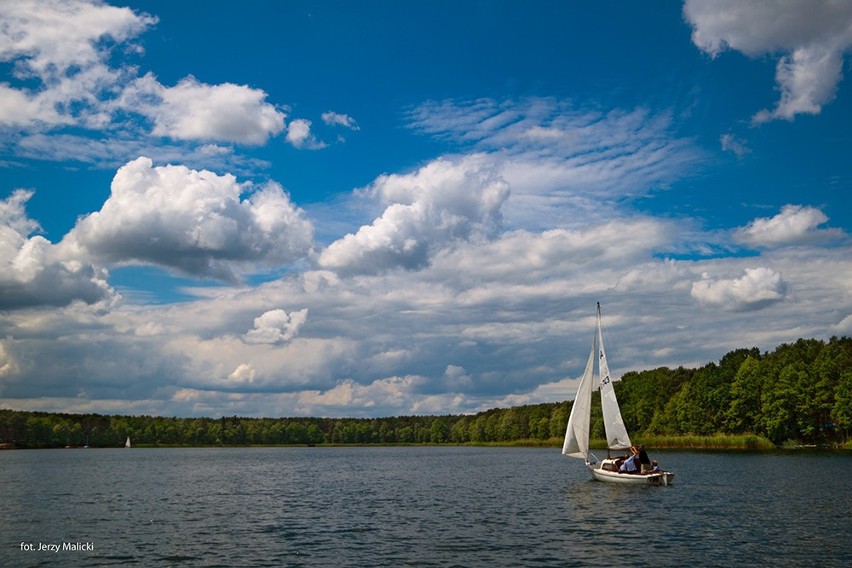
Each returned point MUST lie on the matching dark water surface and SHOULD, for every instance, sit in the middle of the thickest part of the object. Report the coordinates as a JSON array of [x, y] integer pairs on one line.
[[417, 506]]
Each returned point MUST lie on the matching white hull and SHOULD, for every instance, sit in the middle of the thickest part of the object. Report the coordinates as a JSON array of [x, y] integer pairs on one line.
[[608, 476]]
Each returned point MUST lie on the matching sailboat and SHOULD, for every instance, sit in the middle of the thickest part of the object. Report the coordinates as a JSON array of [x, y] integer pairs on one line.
[[127, 442], [577, 433]]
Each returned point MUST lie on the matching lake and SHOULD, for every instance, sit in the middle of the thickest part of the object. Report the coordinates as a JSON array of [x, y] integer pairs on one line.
[[416, 506]]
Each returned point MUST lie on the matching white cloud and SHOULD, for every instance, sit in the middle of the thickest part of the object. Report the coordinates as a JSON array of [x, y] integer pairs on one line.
[[21, 109], [564, 165], [731, 143], [813, 36], [484, 325], [64, 75], [195, 111], [300, 136], [347, 394], [243, 374], [35, 272], [276, 326], [54, 35], [490, 318], [444, 202], [8, 366], [62, 45], [844, 326], [456, 377], [192, 221], [336, 119], [796, 224], [756, 289], [112, 153]]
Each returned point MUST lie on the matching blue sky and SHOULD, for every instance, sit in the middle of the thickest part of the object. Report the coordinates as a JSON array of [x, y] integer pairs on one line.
[[381, 208]]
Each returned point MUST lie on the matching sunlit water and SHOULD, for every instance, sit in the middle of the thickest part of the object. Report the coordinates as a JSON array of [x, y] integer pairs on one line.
[[417, 506]]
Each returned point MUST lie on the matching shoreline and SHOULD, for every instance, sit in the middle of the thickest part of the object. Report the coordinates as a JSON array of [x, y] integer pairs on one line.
[[667, 443]]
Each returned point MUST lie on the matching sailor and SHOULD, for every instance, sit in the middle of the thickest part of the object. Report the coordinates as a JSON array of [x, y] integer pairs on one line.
[[631, 464], [644, 462]]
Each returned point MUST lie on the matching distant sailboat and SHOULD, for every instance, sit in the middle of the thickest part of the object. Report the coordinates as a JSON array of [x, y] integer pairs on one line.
[[127, 442], [577, 433]]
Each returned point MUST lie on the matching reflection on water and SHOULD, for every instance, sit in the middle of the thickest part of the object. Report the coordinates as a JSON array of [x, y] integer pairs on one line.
[[417, 506]]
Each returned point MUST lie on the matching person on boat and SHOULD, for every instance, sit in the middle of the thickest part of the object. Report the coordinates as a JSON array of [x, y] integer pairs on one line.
[[630, 464], [655, 467], [644, 461], [620, 461]]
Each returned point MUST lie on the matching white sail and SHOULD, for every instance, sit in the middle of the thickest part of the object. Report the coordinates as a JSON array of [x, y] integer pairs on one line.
[[127, 443], [577, 434], [616, 432]]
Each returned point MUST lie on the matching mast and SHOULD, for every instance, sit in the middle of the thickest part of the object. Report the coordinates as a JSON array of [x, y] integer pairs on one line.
[[616, 431]]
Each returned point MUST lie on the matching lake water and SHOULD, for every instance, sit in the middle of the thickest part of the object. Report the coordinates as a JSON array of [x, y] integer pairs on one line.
[[417, 506]]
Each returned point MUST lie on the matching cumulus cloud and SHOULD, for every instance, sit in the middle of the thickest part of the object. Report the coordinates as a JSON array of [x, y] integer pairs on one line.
[[466, 333], [22, 109], [276, 326], [35, 272], [55, 35], [812, 36], [243, 374], [193, 222], [757, 288], [444, 202], [192, 110], [300, 136], [64, 75], [796, 224], [393, 392], [64, 47]]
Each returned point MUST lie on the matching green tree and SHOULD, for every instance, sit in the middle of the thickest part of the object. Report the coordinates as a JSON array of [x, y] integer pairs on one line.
[[841, 412], [779, 401], [559, 419], [439, 431], [743, 415]]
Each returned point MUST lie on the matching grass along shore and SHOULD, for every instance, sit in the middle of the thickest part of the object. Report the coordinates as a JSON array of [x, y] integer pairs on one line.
[[658, 441]]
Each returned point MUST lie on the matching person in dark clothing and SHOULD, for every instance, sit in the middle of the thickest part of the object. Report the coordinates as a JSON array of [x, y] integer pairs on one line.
[[644, 461]]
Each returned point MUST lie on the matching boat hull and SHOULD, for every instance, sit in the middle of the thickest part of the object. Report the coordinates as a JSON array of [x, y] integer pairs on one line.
[[652, 478]]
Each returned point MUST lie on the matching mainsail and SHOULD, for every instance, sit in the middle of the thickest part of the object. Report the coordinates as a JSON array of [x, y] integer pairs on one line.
[[616, 432], [577, 434]]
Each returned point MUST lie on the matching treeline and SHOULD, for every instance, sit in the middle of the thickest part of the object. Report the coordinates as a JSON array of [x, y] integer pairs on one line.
[[800, 392], [43, 430]]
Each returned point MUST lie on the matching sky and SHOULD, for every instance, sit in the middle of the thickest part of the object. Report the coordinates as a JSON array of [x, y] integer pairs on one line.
[[396, 208]]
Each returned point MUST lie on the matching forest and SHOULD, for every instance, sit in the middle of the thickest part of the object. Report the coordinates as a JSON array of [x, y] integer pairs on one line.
[[800, 393]]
